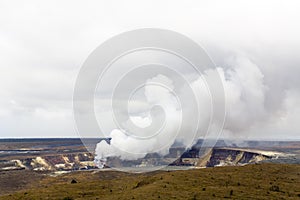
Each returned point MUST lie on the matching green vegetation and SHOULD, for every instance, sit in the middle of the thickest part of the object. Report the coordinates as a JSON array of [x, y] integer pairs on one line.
[[259, 181]]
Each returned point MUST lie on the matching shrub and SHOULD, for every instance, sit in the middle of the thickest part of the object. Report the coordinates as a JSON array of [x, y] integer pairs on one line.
[[68, 198], [274, 188]]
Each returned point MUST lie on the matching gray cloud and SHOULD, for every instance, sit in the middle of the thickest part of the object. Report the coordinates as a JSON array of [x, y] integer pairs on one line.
[[42, 46]]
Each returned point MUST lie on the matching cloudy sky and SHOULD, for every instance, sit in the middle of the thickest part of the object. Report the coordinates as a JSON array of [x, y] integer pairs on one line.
[[255, 44]]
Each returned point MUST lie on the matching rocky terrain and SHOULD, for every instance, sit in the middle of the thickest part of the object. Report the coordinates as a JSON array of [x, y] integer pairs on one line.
[[85, 160], [75, 161], [71, 154], [213, 158]]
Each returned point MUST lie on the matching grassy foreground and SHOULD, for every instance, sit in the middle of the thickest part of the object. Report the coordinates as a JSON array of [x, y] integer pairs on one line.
[[259, 181]]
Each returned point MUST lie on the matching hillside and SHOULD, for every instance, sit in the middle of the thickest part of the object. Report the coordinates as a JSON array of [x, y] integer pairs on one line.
[[256, 181]]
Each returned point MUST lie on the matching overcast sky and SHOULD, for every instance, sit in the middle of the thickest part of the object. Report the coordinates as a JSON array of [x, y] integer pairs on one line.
[[43, 45]]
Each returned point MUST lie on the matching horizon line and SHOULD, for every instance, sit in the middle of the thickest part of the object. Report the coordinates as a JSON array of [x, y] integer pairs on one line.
[[225, 139]]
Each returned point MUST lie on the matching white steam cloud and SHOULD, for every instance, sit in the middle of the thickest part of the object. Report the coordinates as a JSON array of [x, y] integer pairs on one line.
[[246, 93], [130, 147]]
